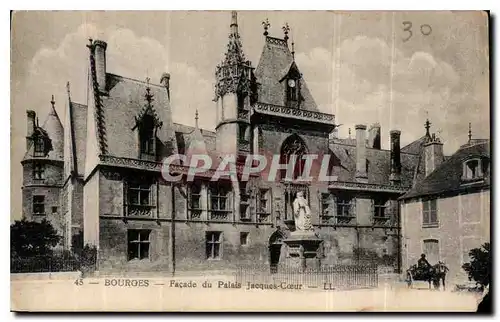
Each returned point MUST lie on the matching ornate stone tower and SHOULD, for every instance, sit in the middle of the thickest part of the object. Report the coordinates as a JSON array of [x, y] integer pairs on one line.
[[43, 166], [235, 92]]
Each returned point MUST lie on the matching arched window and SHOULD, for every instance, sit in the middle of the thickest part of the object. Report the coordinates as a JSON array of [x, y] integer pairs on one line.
[[147, 137], [293, 148]]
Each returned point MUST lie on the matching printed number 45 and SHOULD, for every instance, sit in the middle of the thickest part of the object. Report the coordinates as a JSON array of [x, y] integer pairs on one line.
[[79, 282]]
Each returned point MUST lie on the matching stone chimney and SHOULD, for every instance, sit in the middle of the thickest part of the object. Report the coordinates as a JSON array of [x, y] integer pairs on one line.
[[100, 63], [361, 175], [165, 81], [374, 136], [433, 151], [395, 176], [30, 126]]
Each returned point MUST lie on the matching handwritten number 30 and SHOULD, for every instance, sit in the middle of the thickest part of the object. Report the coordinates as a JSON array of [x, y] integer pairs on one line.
[[425, 30]]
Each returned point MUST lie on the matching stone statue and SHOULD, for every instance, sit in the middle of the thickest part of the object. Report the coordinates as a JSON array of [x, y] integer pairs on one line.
[[302, 214]]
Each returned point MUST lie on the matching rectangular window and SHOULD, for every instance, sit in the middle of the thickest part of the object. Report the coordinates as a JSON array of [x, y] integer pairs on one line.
[[39, 147], [214, 245], [195, 206], [243, 238], [54, 209], [430, 213], [379, 209], [219, 200], [344, 206], [138, 244], [139, 199], [38, 171], [39, 205], [431, 250]]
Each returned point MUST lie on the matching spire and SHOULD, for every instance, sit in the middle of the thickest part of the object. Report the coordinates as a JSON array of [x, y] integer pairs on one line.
[[234, 23], [266, 25], [52, 102], [470, 132], [234, 71], [196, 118], [293, 49]]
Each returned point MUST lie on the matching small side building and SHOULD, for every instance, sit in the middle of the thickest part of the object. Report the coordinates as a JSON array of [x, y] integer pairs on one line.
[[447, 214]]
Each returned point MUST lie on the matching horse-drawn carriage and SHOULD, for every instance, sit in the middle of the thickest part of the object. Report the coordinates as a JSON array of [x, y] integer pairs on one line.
[[434, 275]]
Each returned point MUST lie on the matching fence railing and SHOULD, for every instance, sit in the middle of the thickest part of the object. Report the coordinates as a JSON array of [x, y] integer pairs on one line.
[[324, 277], [48, 264]]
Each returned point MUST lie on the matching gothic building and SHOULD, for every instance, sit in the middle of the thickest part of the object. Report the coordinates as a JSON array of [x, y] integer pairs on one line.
[[100, 173]]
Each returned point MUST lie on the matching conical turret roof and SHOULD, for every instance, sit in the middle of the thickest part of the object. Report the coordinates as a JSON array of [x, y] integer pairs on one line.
[[55, 131]]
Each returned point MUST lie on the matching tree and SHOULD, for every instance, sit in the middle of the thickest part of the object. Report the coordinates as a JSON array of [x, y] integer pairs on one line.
[[479, 267], [30, 238]]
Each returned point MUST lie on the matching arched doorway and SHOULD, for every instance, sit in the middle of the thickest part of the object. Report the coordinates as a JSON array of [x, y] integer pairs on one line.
[[275, 245]]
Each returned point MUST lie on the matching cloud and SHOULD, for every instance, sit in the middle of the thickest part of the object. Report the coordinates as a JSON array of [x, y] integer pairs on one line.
[[354, 82]]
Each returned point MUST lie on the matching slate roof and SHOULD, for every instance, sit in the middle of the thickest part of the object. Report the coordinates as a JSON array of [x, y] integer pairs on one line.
[[125, 102], [275, 61], [414, 147], [447, 177], [53, 129], [378, 165], [79, 123], [185, 134]]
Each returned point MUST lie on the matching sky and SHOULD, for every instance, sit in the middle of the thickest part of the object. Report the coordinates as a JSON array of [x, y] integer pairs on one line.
[[394, 68]]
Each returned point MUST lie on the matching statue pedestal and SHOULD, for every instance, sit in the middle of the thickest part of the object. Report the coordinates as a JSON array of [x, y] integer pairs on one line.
[[303, 250]]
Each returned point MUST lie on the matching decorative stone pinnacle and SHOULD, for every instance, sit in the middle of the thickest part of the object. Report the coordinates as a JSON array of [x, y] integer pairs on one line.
[[148, 96], [286, 30], [52, 101], [266, 25], [196, 118], [470, 132]]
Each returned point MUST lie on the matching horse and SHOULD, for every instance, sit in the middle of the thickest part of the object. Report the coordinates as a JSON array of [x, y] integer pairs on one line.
[[440, 270]]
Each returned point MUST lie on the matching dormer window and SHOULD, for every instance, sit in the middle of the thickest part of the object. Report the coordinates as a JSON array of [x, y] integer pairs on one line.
[[147, 138], [475, 169], [39, 147]]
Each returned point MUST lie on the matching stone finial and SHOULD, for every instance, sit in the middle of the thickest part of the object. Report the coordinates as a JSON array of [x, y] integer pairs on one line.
[[286, 30], [266, 25]]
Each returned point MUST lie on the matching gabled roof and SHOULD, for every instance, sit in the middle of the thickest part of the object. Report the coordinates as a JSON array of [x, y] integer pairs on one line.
[[379, 168], [275, 62], [448, 176]]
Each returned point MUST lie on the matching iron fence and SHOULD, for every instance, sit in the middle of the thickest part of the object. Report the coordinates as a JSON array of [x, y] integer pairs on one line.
[[325, 277], [49, 264]]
